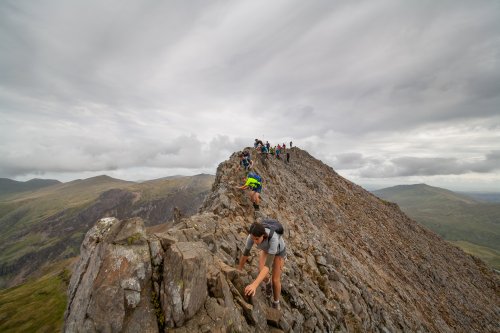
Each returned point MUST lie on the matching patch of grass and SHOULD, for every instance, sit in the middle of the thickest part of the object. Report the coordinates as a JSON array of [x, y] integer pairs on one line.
[[488, 255], [453, 216], [19, 248], [36, 306]]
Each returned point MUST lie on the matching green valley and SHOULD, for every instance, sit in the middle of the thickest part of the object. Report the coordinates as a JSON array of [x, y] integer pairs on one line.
[[48, 224], [470, 224]]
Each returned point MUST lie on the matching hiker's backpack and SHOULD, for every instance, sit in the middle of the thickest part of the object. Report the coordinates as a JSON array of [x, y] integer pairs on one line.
[[255, 176], [274, 226]]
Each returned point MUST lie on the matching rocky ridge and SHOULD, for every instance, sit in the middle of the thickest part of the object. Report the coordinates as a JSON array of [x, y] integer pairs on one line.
[[355, 264]]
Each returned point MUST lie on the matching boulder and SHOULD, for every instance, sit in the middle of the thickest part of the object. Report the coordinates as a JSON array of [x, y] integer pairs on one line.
[[110, 290], [185, 281]]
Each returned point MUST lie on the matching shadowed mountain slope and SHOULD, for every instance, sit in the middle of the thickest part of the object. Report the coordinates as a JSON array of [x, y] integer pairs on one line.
[[355, 264], [49, 224], [473, 225]]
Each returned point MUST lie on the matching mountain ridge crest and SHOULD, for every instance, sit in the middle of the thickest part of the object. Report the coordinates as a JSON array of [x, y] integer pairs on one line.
[[355, 263]]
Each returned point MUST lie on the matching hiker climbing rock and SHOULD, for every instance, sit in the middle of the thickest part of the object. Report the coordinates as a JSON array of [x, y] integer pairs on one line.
[[278, 151], [264, 151], [254, 183], [268, 238], [258, 143], [245, 161]]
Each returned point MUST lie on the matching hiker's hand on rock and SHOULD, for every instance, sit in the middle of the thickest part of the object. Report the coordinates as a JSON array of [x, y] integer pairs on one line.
[[250, 290]]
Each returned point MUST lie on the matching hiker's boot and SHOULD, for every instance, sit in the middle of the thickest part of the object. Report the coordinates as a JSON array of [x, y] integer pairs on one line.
[[256, 207], [276, 305]]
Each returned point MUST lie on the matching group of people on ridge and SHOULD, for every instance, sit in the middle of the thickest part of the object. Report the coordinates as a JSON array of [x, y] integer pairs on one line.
[[276, 151], [266, 234]]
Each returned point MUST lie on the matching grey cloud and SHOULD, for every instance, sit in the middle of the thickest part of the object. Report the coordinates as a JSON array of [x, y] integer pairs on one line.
[[431, 166], [350, 161], [345, 61], [182, 152]]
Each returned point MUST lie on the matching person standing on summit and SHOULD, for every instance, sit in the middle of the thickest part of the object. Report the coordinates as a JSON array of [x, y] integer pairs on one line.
[[253, 182]]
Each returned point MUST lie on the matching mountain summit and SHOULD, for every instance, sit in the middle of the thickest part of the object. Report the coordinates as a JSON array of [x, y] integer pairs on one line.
[[355, 263]]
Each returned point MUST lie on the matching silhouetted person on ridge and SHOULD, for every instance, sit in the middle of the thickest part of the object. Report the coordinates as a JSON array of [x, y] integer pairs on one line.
[[268, 237], [257, 143]]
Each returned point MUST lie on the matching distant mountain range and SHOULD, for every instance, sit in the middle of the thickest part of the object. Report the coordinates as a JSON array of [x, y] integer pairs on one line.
[[483, 196], [470, 222], [42, 221], [9, 186]]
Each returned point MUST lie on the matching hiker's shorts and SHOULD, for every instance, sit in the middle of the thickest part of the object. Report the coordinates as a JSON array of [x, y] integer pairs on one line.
[[282, 253], [257, 189]]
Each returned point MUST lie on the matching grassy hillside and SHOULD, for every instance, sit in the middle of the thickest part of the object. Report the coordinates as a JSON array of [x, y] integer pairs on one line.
[[488, 255], [456, 217], [9, 186], [38, 305], [483, 196], [158, 188], [21, 213], [49, 224]]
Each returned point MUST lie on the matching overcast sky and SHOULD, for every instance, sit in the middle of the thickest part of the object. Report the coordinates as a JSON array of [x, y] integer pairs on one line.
[[385, 92]]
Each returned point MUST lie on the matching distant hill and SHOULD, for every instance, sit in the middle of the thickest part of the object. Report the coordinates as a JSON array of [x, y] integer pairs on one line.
[[471, 224], [48, 224], [483, 196], [9, 186]]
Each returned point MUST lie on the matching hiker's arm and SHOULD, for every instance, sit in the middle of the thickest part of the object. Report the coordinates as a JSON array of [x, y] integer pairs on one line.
[[251, 288], [246, 252], [243, 261]]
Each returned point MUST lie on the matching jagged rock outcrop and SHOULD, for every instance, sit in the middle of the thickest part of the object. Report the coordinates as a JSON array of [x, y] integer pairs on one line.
[[355, 264], [110, 289]]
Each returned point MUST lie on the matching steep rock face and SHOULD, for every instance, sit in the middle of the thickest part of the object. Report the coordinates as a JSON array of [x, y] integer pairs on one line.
[[355, 263], [110, 290]]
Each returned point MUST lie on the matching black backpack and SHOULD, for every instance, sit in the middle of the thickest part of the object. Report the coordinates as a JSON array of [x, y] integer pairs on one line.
[[274, 226]]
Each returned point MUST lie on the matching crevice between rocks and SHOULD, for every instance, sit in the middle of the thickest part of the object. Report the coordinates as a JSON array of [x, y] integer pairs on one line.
[[157, 274]]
